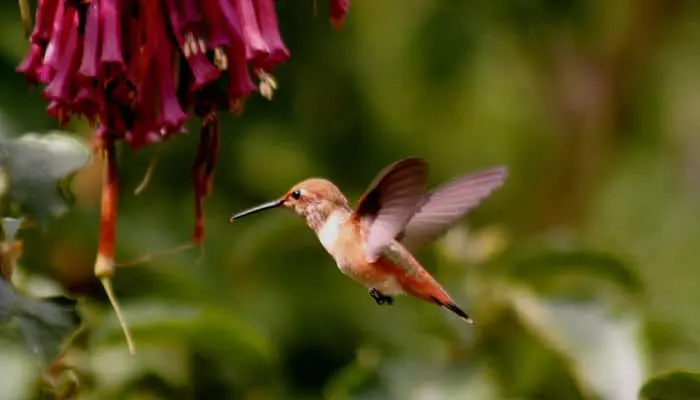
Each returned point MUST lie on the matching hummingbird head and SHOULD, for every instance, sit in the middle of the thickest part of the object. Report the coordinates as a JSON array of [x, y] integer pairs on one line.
[[313, 199]]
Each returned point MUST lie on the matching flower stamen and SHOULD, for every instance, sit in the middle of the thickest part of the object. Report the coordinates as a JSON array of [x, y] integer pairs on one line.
[[220, 59], [268, 84]]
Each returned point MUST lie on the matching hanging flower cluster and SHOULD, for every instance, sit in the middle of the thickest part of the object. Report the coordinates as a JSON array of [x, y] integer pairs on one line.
[[140, 69]]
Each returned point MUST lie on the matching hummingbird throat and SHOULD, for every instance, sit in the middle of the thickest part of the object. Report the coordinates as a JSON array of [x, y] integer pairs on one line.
[[316, 214]]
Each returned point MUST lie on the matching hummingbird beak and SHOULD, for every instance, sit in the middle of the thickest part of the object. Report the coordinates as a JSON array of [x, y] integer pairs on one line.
[[261, 207]]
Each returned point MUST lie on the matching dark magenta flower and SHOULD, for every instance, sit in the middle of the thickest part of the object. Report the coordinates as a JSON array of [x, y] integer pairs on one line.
[[111, 58], [218, 31], [87, 103], [191, 43], [65, 62], [267, 21], [140, 69], [45, 16], [31, 63], [255, 46], [338, 10], [101, 58], [91, 44]]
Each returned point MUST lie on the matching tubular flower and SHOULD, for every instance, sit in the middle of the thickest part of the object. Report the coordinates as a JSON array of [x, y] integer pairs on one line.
[[338, 10], [139, 69]]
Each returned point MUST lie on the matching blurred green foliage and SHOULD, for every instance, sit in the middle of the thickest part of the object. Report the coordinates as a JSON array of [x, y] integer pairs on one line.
[[676, 385], [581, 273]]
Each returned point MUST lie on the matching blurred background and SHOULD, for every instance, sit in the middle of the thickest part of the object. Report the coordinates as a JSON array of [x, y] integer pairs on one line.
[[581, 272]]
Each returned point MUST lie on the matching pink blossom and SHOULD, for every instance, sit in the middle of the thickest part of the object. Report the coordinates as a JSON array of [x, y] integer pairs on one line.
[[141, 68]]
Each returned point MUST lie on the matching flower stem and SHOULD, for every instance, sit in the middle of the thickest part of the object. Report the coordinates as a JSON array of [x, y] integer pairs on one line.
[[149, 171], [26, 15], [152, 255], [203, 170], [104, 265], [107, 284]]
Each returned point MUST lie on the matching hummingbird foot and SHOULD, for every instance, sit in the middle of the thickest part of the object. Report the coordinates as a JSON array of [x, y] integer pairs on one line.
[[380, 298]]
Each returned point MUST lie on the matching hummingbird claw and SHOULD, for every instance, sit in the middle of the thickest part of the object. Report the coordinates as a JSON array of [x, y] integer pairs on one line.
[[380, 298]]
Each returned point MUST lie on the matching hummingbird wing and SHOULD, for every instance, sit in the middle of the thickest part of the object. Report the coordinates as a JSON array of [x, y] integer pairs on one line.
[[390, 202], [442, 207]]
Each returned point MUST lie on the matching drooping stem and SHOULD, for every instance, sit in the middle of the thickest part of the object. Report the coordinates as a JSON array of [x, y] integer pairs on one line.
[[149, 172], [202, 179], [203, 170], [150, 256], [26, 15], [104, 265], [107, 285]]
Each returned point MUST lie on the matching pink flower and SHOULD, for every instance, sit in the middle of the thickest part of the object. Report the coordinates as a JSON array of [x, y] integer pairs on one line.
[[111, 32], [338, 10], [267, 20], [240, 85], [170, 116], [213, 20], [65, 63], [31, 63], [91, 42], [191, 18], [45, 16], [193, 48], [54, 49], [255, 46], [87, 103], [102, 71], [118, 63]]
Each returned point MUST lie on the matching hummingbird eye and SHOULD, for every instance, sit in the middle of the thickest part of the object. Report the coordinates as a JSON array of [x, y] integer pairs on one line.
[[296, 195]]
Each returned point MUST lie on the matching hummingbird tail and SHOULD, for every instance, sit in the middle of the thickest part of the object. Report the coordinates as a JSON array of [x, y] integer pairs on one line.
[[450, 305], [455, 309]]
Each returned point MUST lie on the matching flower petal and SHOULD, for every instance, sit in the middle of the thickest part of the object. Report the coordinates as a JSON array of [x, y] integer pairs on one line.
[[339, 8], [256, 48], [110, 24], [58, 39], [214, 22], [91, 42], [87, 103], [31, 64], [240, 85], [66, 63], [190, 13], [45, 17], [267, 20], [202, 70]]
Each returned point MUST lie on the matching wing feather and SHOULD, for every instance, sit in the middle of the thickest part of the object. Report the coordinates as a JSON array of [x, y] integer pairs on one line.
[[390, 202], [444, 206]]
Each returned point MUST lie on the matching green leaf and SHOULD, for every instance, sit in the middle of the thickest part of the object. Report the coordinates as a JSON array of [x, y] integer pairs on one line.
[[45, 323], [352, 376], [404, 378], [19, 372], [7, 300], [210, 329], [677, 385], [35, 172], [541, 267], [602, 349]]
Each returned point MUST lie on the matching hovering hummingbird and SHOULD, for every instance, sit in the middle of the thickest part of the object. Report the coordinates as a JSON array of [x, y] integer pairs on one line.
[[372, 244]]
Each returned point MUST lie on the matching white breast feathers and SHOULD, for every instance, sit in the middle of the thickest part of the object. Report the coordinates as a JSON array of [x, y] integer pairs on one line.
[[329, 232]]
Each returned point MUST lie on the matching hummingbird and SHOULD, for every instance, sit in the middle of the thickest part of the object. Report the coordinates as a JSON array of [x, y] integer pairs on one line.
[[396, 215]]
